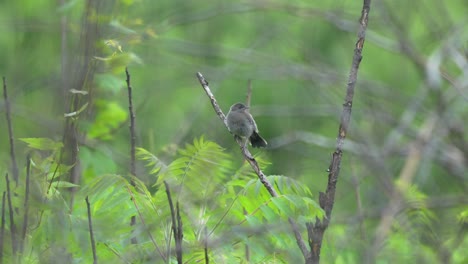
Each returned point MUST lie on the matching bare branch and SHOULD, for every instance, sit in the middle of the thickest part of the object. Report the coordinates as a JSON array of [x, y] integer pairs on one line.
[[132, 143], [249, 93], [14, 166], [26, 203], [253, 163], [14, 243], [327, 199], [91, 235], [2, 228]]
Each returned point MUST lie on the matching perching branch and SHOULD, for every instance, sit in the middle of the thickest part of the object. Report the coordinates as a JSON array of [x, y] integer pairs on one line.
[[247, 155], [253, 163], [91, 235], [14, 166], [316, 230]]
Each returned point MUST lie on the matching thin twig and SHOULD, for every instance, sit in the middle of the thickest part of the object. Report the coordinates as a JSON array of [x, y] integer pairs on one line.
[[132, 142], [247, 248], [91, 234], [253, 163], [180, 234], [144, 224], [249, 93], [174, 225], [26, 203], [2, 228], [316, 230], [207, 257], [132, 126], [14, 166], [14, 243], [248, 156]]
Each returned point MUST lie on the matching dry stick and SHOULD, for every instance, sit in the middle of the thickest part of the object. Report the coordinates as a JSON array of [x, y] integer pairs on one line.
[[175, 228], [132, 142], [327, 199], [144, 224], [249, 93], [207, 258], [12, 221], [91, 235], [247, 248], [14, 166], [26, 203], [2, 230], [253, 163], [180, 234]]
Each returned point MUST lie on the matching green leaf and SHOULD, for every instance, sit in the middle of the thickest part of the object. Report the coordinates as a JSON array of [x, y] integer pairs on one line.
[[63, 184], [42, 143], [152, 161], [282, 205], [110, 116]]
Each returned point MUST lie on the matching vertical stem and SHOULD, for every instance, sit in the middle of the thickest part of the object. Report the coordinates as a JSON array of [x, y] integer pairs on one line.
[[14, 243], [2, 230], [26, 203], [91, 234], [14, 166]]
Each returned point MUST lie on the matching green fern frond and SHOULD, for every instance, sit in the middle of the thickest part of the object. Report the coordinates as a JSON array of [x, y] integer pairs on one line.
[[201, 164], [152, 162]]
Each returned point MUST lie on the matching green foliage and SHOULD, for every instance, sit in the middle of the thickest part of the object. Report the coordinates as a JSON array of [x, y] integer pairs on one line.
[[65, 63], [42, 144], [217, 203]]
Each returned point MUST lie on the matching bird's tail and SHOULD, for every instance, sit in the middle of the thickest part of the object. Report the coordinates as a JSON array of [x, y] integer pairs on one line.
[[257, 141]]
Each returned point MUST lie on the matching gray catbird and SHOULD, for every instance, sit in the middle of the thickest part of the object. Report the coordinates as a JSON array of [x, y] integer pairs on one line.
[[241, 123]]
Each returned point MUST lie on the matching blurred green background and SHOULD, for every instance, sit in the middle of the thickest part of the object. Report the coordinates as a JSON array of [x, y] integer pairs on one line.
[[408, 125]]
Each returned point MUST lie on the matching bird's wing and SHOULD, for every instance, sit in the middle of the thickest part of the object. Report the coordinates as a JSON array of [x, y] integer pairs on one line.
[[252, 121]]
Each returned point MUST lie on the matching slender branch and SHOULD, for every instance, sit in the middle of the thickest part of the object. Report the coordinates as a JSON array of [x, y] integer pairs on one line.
[[180, 234], [132, 142], [205, 244], [12, 221], [247, 155], [247, 248], [14, 166], [249, 93], [253, 163], [316, 230], [26, 203], [132, 125], [175, 227], [2, 228], [144, 224], [91, 235]]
